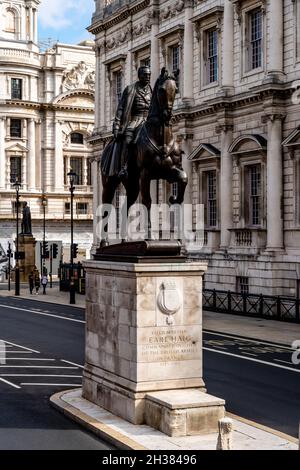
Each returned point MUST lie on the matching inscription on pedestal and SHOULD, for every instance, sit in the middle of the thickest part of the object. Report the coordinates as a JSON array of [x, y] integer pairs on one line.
[[173, 344]]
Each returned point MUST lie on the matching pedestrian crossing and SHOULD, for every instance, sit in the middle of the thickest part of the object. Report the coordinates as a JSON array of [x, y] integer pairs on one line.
[[22, 367]]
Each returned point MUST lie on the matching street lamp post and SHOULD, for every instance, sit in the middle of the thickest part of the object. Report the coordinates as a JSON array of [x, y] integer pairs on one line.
[[17, 186], [43, 255], [72, 175]]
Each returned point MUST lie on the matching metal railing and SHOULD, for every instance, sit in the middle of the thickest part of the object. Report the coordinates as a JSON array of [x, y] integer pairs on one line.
[[252, 305]]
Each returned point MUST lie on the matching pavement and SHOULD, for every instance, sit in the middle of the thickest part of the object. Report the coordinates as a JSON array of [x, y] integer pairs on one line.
[[53, 296], [126, 436]]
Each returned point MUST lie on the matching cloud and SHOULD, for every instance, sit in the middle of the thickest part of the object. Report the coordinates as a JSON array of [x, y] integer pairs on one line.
[[57, 14]]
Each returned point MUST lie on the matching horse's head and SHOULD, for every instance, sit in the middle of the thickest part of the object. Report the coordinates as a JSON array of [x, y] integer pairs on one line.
[[166, 89]]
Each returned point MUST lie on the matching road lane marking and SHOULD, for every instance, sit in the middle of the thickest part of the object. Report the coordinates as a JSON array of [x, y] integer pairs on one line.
[[22, 347], [42, 375], [285, 362], [29, 359], [9, 383], [8, 351], [239, 338], [50, 385], [72, 364], [42, 314], [37, 367], [253, 360]]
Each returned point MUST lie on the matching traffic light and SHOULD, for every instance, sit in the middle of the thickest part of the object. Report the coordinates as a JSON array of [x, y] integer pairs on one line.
[[55, 251], [9, 254], [74, 250], [46, 252]]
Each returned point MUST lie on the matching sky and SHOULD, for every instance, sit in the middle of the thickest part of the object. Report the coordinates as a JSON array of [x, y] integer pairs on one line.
[[65, 20]]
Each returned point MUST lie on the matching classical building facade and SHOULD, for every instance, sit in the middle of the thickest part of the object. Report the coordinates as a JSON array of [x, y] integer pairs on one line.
[[236, 116], [46, 117]]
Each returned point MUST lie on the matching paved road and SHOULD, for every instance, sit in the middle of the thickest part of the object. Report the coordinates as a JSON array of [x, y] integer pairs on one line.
[[257, 379], [39, 347]]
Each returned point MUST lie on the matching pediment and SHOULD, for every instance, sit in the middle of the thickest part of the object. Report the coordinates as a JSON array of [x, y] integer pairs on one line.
[[81, 99], [17, 148], [204, 151], [293, 140], [249, 144]]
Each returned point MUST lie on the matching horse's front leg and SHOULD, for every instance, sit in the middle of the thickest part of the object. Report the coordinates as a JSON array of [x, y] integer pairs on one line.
[[145, 184]]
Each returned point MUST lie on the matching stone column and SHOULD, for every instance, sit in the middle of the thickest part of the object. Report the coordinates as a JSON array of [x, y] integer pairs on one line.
[[31, 169], [188, 56], [225, 184], [35, 30], [102, 74], [227, 48], [30, 24], [274, 183], [58, 161], [187, 148], [275, 67], [96, 202], [2, 154], [155, 66]]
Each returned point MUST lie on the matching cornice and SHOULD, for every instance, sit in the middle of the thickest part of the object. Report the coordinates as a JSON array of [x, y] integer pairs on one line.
[[120, 15]]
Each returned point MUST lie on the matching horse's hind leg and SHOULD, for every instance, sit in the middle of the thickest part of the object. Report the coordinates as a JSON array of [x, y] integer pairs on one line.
[[109, 188], [145, 183], [180, 177]]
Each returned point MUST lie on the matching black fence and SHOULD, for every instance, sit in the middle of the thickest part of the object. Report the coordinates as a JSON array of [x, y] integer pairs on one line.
[[251, 305]]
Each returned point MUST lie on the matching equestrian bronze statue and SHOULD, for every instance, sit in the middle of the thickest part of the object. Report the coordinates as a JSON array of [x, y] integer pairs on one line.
[[144, 147]]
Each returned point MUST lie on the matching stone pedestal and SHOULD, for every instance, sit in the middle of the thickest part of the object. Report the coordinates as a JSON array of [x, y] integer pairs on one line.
[[144, 345], [27, 245]]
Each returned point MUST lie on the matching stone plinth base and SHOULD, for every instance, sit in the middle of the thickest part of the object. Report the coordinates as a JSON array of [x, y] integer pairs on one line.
[[184, 412], [143, 335], [27, 245]]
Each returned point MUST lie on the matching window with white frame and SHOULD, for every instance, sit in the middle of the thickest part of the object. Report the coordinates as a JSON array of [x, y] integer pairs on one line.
[[209, 198], [16, 88], [82, 208], [76, 164], [15, 169], [253, 195], [212, 55], [16, 128], [175, 62], [254, 38], [117, 89]]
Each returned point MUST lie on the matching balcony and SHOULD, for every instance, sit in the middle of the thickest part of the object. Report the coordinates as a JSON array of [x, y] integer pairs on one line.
[[248, 240]]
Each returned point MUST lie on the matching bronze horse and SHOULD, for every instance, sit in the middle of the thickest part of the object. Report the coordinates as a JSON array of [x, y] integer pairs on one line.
[[155, 154]]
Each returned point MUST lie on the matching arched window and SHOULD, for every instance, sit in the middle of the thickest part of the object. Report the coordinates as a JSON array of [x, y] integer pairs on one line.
[[77, 138], [10, 23]]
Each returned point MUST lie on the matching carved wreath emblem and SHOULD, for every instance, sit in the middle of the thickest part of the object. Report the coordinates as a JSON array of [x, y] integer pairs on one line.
[[169, 300]]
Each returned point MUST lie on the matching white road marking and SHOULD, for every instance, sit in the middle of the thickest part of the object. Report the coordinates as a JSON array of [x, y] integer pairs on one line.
[[9, 383], [15, 352], [284, 362], [43, 314], [249, 340], [27, 359], [22, 347], [42, 375], [72, 364], [253, 360], [250, 354], [36, 367], [50, 385]]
